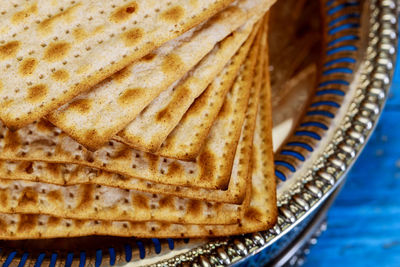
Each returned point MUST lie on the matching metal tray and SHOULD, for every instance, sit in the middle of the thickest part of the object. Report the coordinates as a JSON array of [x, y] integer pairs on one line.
[[358, 55]]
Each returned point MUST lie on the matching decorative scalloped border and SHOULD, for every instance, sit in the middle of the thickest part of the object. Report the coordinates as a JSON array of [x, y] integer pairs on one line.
[[327, 173], [118, 252]]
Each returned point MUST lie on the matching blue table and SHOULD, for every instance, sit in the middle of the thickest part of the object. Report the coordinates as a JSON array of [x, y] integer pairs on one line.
[[364, 222]]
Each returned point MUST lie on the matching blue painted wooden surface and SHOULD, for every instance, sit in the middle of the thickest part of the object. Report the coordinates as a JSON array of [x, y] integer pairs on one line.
[[364, 222]]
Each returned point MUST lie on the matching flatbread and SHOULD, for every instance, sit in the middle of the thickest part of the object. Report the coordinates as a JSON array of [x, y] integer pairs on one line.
[[89, 201], [104, 203], [51, 60], [260, 215], [186, 141], [148, 130], [92, 121], [76, 174], [44, 142]]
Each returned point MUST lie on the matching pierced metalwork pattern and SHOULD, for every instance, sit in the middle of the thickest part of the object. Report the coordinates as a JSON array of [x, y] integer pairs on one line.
[[340, 153], [301, 195], [342, 49]]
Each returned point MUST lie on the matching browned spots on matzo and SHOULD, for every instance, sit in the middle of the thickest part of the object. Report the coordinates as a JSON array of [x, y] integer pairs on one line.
[[9, 49], [164, 225], [3, 226], [86, 193], [152, 160], [81, 106], [80, 34], [22, 15], [45, 126], [130, 95], [138, 226], [173, 14], [26, 166], [198, 105], [46, 26], [106, 223], [253, 214], [53, 169], [140, 201], [171, 63], [91, 135], [165, 113], [55, 196], [124, 13], [37, 93], [121, 75], [194, 207], [149, 57], [207, 165], [27, 222], [167, 201], [53, 221], [254, 159], [56, 51], [175, 169], [132, 36], [29, 197], [225, 110], [12, 141], [122, 153], [27, 66], [60, 75], [4, 193], [79, 223]]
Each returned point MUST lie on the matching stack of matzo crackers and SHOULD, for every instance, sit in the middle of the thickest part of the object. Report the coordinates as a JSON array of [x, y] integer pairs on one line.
[[138, 118]]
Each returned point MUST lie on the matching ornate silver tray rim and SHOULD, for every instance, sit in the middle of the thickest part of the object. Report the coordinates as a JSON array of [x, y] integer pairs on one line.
[[326, 173]]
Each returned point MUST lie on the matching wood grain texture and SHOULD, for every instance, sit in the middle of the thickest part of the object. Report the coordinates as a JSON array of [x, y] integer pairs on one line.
[[364, 222]]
